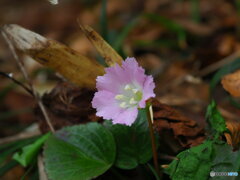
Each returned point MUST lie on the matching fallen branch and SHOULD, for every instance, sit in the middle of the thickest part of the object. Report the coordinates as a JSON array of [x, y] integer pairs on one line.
[[17, 82]]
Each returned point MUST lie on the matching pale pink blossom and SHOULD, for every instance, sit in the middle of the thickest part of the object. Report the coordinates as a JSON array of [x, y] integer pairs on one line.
[[121, 91]]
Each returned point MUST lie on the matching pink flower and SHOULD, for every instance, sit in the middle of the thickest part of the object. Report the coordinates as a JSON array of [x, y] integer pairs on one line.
[[121, 91]]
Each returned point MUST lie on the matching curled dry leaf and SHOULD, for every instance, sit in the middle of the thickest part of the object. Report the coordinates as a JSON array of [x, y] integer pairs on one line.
[[75, 67], [67, 105], [231, 83], [104, 49], [185, 131], [233, 138]]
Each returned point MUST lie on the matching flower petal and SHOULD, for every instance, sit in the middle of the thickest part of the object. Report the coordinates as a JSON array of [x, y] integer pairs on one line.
[[148, 88], [112, 80], [126, 117], [105, 104], [142, 103], [134, 73]]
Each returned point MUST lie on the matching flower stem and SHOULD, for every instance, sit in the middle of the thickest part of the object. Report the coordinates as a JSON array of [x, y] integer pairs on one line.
[[154, 147]]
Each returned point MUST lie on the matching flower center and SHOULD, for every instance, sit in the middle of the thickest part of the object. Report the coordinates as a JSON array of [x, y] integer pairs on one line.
[[130, 96]]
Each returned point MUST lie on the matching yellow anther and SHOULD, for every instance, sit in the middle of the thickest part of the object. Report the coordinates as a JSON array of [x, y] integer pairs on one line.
[[127, 87], [123, 105], [135, 90], [132, 101], [119, 97]]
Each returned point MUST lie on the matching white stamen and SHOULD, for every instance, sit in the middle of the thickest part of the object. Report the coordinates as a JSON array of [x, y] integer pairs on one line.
[[135, 90], [123, 105], [129, 97], [119, 97], [127, 87], [132, 101]]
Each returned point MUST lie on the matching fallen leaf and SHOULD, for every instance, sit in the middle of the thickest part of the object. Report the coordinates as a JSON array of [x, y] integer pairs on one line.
[[105, 50], [67, 105], [233, 138], [231, 83], [185, 131], [75, 67]]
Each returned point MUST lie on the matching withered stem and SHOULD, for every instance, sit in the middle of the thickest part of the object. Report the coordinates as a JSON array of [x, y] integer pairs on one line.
[[153, 141], [24, 72]]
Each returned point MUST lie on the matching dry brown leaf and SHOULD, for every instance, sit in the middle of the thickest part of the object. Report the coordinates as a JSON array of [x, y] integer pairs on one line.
[[75, 67], [67, 105], [231, 83], [185, 131], [233, 138], [105, 50]]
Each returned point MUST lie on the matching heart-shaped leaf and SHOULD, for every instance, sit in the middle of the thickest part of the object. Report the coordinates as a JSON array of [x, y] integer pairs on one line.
[[194, 163], [79, 152], [133, 142]]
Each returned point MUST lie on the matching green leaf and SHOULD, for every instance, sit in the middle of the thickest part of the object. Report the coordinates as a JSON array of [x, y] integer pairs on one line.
[[199, 161], [133, 142], [8, 149], [29, 152], [103, 29], [194, 163], [7, 167], [79, 152], [195, 8], [223, 71], [226, 160], [103, 21], [121, 37], [169, 25], [215, 120], [156, 43], [153, 171]]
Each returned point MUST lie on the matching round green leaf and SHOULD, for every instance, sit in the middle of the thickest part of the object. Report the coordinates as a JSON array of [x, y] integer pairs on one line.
[[133, 142], [79, 152]]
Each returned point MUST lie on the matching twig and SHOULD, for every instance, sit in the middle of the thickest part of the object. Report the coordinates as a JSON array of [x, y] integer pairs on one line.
[[20, 136], [217, 65], [21, 66], [41, 171], [153, 140], [17, 82], [167, 157]]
